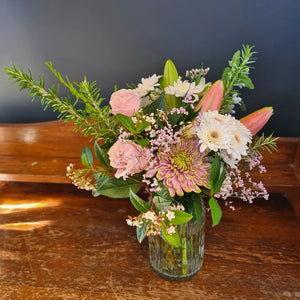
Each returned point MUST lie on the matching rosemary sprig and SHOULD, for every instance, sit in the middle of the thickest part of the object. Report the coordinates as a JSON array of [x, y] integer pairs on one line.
[[264, 143], [94, 120]]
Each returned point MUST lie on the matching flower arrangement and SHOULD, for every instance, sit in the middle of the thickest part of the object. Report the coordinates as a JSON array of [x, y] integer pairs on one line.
[[173, 136]]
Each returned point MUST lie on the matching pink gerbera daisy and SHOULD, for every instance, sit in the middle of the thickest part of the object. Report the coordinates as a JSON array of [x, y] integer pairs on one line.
[[183, 167]]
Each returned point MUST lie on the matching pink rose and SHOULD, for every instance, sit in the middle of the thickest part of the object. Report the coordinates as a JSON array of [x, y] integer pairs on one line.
[[124, 102], [128, 158]]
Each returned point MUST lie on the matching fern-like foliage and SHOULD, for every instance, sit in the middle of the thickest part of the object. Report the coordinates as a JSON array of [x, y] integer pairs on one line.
[[264, 143], [92, 119], [237, 76]]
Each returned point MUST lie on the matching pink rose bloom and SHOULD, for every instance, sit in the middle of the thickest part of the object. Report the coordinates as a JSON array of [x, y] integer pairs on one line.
[[124, 102], [128, 158]]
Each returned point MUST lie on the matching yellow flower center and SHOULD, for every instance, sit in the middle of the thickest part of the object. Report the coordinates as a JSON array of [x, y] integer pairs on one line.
[[181, 161]]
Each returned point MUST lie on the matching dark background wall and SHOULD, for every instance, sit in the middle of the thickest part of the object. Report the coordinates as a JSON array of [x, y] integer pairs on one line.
[[118, 42]]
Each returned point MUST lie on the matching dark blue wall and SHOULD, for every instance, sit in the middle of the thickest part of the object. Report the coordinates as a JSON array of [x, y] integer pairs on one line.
[[118, 41]]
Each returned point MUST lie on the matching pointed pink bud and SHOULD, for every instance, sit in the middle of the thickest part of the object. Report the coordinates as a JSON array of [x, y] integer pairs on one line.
[[257, 120], [212, 99]]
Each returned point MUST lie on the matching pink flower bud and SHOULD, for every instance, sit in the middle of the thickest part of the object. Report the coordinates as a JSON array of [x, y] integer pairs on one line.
[[125, 102], [257, 120], [212, 99]]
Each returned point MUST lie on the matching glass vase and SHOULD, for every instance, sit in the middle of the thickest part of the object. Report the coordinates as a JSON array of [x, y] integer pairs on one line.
[[179, 264]]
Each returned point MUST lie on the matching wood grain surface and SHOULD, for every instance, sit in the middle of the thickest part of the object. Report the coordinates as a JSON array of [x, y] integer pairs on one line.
[[61, 243]]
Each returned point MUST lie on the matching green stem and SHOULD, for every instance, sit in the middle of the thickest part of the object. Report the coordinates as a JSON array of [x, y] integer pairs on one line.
[[184, 255]]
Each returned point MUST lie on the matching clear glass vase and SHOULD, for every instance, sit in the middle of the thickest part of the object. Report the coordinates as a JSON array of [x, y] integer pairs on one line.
[[179, 264]]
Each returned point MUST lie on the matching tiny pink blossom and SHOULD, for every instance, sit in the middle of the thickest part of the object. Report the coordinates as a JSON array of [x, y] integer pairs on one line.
[[128, 158], [125, 102]]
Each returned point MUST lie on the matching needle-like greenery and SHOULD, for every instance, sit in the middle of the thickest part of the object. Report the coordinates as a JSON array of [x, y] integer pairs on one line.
[[83, 109], [237, 76]]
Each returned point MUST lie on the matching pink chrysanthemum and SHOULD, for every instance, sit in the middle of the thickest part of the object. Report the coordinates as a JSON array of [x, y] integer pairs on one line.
[[183, 167]]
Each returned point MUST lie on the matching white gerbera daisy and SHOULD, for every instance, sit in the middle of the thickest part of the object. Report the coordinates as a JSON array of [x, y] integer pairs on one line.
[[213, 134], [241, 138], [147, 85]]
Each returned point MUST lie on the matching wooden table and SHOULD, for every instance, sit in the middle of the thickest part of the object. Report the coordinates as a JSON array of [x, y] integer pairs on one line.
[[61, 243]]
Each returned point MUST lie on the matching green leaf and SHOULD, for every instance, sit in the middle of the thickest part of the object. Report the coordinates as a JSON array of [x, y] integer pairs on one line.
[[172, 239], [226, 76], [161, 203], [101, 155], [181, 217], [217, 175], [158, 103], [236, 58], [214, 170], [115, 188], [162, 198], [141, 232], [126, 122], [197, 208], [247, 81], [220, 180], [215, 210], [142, 125], [170, 76], [87, 157], [138, 203], [143, 142]]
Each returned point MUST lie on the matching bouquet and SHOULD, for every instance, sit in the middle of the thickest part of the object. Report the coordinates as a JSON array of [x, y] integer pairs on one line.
[[174, 136]]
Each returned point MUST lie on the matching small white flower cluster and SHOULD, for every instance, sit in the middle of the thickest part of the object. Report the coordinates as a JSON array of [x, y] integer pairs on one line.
[[79, 178], [225, 134], [181, 88], [154, 221], [148, 84]]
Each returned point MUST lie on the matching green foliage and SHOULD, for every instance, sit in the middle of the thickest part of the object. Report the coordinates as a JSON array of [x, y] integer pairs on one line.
[[264, 143], [92, 120], [237, 75], [215, 210], [141, 232], [162, 199], [138, 203], [181, 217], [172, 239], [101, 155], [159, 103], [197, 208], [115, 187], [217, 175], [87, 157]]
